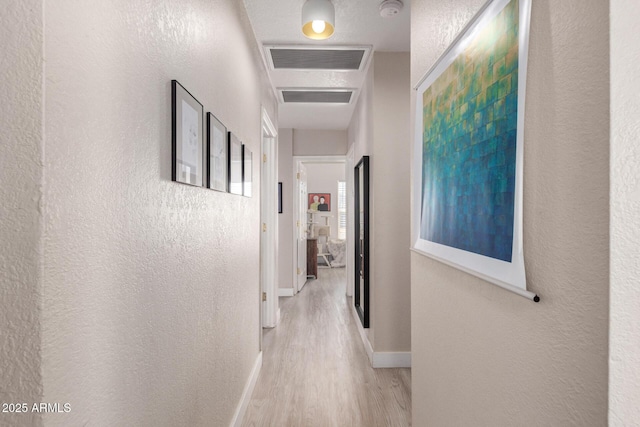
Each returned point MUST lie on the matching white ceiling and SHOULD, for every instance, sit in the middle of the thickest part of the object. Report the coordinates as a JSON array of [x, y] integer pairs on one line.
[[358, 23]]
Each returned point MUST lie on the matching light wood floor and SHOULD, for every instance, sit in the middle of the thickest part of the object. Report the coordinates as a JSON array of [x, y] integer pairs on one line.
[[315, 370]]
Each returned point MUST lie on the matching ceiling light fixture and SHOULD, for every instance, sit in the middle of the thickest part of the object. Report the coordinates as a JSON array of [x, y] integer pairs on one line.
[[318, 19]]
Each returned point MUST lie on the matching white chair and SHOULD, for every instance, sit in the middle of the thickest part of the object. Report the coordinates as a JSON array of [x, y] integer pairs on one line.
[[322, 233]]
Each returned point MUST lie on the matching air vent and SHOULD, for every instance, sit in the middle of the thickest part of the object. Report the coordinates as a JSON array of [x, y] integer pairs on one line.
[[317, 96], [299, 58]]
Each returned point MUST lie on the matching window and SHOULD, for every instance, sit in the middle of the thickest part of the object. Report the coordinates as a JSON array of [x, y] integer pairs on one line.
[[342, 210]]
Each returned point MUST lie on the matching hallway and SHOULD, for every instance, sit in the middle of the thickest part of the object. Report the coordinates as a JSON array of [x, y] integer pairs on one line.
[[315, 370], [131, 277]]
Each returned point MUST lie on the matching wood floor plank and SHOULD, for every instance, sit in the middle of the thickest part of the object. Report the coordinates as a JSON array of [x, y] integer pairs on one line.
[[315, 370]]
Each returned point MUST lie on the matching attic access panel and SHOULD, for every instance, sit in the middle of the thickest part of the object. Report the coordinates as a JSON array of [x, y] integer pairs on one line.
[[309, 58], [316, 96]]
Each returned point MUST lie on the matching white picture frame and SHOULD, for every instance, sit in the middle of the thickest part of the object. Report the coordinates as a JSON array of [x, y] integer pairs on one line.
[[468, 145]]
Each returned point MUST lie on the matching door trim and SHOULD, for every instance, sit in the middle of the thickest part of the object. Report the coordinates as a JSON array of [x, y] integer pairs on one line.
[[269, 223], [298, 221]]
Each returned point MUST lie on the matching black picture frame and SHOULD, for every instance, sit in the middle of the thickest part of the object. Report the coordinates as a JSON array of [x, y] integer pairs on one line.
[[279, 197], [234, 164], [247, 171], [361, 212], [187, 137], [217, 153]]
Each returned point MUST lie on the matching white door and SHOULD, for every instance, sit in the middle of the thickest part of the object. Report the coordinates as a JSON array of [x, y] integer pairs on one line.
[[269, 232], [301, 268]]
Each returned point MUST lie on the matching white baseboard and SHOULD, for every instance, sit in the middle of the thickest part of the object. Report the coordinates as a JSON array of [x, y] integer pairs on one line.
[[363, 335], [285, 292], [396, 359], [236, 421], [381, 359]]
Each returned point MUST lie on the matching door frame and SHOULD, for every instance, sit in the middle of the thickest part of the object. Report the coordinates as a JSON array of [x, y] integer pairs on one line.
[[350, 259], [270, 312], [296, 217], [298, 221]]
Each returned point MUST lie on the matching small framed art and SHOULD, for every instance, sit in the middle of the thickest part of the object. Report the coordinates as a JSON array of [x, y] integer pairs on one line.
[[216, 154], [247, 171], [187, 137], [235, 164], [279, 197], [320, 202]]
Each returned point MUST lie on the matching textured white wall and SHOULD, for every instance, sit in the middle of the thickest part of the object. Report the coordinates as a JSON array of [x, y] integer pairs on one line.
[[624, 357], [360, 131], [21, 149], [360, 137], [390, 202], [312, 142], [151, 293], [483, 356], [380, 129], [285, 219]]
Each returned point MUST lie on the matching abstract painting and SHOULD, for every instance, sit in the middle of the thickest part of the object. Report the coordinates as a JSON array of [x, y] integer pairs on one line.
[[469, 120]]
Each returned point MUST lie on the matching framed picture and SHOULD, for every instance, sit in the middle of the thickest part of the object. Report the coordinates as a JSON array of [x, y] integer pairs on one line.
[[216, 154], [247, 171], [235, 164], [361, 181], [319, 202], [469, 116], [187, 118], [279, 197]]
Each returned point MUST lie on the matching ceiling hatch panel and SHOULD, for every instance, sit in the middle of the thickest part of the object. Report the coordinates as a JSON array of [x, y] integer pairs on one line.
[[326, 96], [311, 58]]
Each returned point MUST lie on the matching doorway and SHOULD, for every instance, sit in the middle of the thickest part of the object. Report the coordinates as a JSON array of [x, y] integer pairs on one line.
[[324, 220]]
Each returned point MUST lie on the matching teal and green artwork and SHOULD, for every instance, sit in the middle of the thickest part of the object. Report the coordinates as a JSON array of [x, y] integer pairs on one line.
[[469, 140]]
